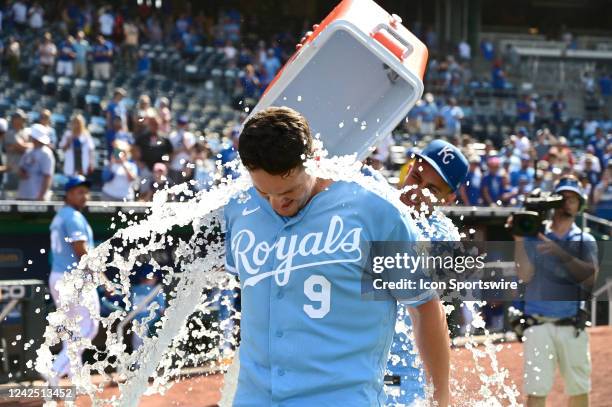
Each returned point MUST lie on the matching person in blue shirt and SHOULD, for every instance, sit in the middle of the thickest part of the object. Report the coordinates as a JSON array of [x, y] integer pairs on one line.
[[71, 239], [440, 168], [469, 192], [102, 54], [116, 108], [492, 187], [559, 268], [295, 242], [66, 57], [526, 171]]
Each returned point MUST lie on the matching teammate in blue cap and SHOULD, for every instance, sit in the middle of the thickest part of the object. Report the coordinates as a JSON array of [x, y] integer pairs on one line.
[[440, 169], [71, 239], [558, 266], [307, 336]]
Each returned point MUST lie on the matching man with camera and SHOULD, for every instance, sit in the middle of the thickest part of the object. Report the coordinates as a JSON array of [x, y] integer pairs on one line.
[[559, 267]]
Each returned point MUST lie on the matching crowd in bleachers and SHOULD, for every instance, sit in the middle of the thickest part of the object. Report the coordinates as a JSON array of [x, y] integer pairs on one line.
[[141, 98], [135, 99]]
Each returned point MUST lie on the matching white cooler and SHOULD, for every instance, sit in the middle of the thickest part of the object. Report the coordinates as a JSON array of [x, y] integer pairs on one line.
[[354, 78]]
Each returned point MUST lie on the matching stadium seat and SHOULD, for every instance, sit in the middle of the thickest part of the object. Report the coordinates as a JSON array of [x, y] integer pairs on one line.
[[49, 85]]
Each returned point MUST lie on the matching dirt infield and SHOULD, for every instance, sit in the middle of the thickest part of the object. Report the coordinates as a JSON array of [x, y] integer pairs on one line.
[[204, 391]]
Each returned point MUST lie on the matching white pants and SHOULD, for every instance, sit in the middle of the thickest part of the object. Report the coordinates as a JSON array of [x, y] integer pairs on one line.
[[101, 70], [549, 345], [89, 327], [65, 68]]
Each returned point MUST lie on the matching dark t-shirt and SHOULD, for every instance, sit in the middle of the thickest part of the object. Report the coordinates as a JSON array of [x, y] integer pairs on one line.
[[153, 149]]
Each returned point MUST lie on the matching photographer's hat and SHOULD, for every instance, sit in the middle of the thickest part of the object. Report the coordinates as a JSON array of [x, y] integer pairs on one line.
[[570, 184], [447, 160]]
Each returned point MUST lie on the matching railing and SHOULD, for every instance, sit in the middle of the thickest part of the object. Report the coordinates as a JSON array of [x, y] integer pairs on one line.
[[136, 309], [607, 288]]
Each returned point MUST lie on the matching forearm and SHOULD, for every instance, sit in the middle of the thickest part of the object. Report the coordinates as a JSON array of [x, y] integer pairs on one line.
[[524, 267], [431, 336], [46, 184]]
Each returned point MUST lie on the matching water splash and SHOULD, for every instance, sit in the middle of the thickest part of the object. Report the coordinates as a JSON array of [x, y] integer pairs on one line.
[[201, 262]]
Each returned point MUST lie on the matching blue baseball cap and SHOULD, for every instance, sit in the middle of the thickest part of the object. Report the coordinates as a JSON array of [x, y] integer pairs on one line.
[[76, 181], [447, 160], [570, 184]]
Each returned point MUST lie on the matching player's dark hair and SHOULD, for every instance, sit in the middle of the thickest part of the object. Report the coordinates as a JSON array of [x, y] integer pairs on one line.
[[275, 140]]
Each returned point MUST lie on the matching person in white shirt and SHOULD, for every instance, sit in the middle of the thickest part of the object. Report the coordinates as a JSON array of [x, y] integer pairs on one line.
[[107, 23], [465, 51], [20, 13], [120, 175], [182, 143], [36, 14], [78, 147], [47, 51]]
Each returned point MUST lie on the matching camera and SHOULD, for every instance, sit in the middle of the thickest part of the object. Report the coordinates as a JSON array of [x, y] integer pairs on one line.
[[530, 220]]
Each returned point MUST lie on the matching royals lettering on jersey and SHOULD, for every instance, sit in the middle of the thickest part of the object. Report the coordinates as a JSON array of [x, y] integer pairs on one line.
[[307, 336]]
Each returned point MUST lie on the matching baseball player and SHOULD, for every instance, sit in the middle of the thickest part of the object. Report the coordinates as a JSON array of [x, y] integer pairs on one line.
[[440, 168], [72, 238], [295, 241]]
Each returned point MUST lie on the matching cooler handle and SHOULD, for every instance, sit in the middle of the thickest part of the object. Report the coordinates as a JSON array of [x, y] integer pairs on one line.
[[387, 37]]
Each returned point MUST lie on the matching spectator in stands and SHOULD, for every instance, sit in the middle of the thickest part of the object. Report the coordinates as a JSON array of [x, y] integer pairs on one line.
[[120, 175], [36, 167], [452, 116], [13, 57], [249, 82], [557, 109], [230, 51], [588, 83], [464, 50], [165, 115], [117, 132], [591, 172], [81, 49], [469, 192], [428, 113], [157, 182], [498, 77], [271, 66], [607, 157], [130, 45], [182, 145], [487, 49], [47, 52], [106, 22], [544, 139], [525, 172], [525, 111], [566, 157], [492, 183], [19, 12], [45, 119], [150, 147], [512, 59], [116, 108], [102, 52], [67, 55], [599, 143], [144, 63], [36, 17], [16, 143], [78, 147], [140, 112], [203, 167], [602, 195]]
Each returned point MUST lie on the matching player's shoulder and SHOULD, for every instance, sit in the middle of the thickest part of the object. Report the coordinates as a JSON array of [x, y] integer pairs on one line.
[[240, 201]]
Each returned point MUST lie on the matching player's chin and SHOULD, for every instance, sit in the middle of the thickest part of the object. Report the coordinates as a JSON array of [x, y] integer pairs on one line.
[[287, 210]]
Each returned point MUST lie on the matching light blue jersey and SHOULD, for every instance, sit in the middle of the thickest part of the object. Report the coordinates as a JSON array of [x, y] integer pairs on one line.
[[307, 336], [402, 358], [68, 226]]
